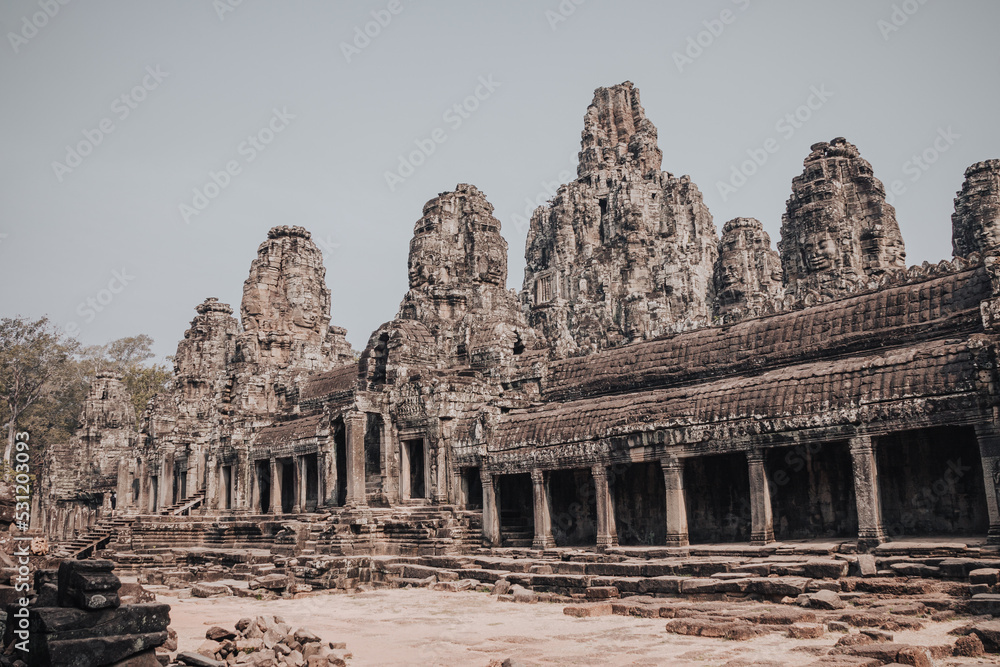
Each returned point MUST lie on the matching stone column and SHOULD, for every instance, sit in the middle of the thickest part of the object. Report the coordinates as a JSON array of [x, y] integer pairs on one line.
[[142, 503], [275, 488], [543, 517], [491, 515], [254, 487], [330, 481], [761, 518], [389, 473], [212, 485], [673, 482], [870, 533], [988, 435], [298, 485], [441, 479], [321, 472], [167, 483], [354, 423], [607, 532]]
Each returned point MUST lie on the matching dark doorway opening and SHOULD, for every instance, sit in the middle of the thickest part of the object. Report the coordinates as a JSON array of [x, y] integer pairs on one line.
[[472, 489], [286, 468], [339, 493], [263, 472], [227, 487], [717, 496], [639, 500], [812, 491], [311, 464], [931, 482], [414, 468], [573, 507], [373, 445], [517, 516]]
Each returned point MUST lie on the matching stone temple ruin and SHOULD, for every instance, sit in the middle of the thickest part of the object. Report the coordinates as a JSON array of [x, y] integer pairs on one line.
[[650, 386]]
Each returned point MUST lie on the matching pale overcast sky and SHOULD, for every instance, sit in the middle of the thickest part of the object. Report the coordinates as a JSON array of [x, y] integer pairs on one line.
[[161, 94]]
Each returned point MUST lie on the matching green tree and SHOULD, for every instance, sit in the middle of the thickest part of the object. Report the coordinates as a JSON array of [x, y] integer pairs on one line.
[[34, 358], [45, 377], [128, 357]]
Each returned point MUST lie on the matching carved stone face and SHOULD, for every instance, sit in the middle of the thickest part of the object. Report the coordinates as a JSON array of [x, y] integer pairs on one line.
[[896, 254], [734, 269], [990, 235], [819, 252]]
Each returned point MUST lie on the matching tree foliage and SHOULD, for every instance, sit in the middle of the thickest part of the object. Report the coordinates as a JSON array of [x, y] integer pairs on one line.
[[45, 376]]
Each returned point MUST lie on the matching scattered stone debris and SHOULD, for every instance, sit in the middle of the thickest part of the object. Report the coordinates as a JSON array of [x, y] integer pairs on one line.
[[264, 641]]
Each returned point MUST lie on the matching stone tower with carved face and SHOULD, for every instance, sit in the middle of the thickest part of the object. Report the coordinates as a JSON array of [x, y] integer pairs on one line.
[[838, 232], [626, 251], [748, 272], [975, 224]]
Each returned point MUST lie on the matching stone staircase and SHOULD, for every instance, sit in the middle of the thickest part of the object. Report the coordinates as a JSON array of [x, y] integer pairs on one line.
[[185, 505], [515, 531], [98, 537]]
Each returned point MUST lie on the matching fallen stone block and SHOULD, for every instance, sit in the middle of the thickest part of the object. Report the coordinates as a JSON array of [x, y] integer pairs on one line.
[[665, 585], [986, 575], [208, 648], [969, 646], [219, 634], [710, 628], [271, 582], [588, 610], [699, 586], [877, 635], [915, 569], [805, 631], [917, 656], [637, 610], [210, 590], [866, 564], [985, 603], [601, 592], [826, 568], [96, 651], [826, 600], [778, 586], [989, 633]]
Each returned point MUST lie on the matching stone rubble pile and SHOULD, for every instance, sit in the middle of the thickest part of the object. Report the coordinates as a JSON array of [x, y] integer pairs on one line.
[[265, 641]]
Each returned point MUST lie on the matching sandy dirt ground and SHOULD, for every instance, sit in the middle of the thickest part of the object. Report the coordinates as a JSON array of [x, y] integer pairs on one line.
[[423, 627]]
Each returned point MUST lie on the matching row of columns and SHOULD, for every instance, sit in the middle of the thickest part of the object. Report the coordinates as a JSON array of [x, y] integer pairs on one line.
[[870, 531]]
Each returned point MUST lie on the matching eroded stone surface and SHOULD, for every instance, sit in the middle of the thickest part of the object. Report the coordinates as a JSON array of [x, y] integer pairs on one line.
[[625, 251], [837, 231], [976, 221], [747, 276]]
